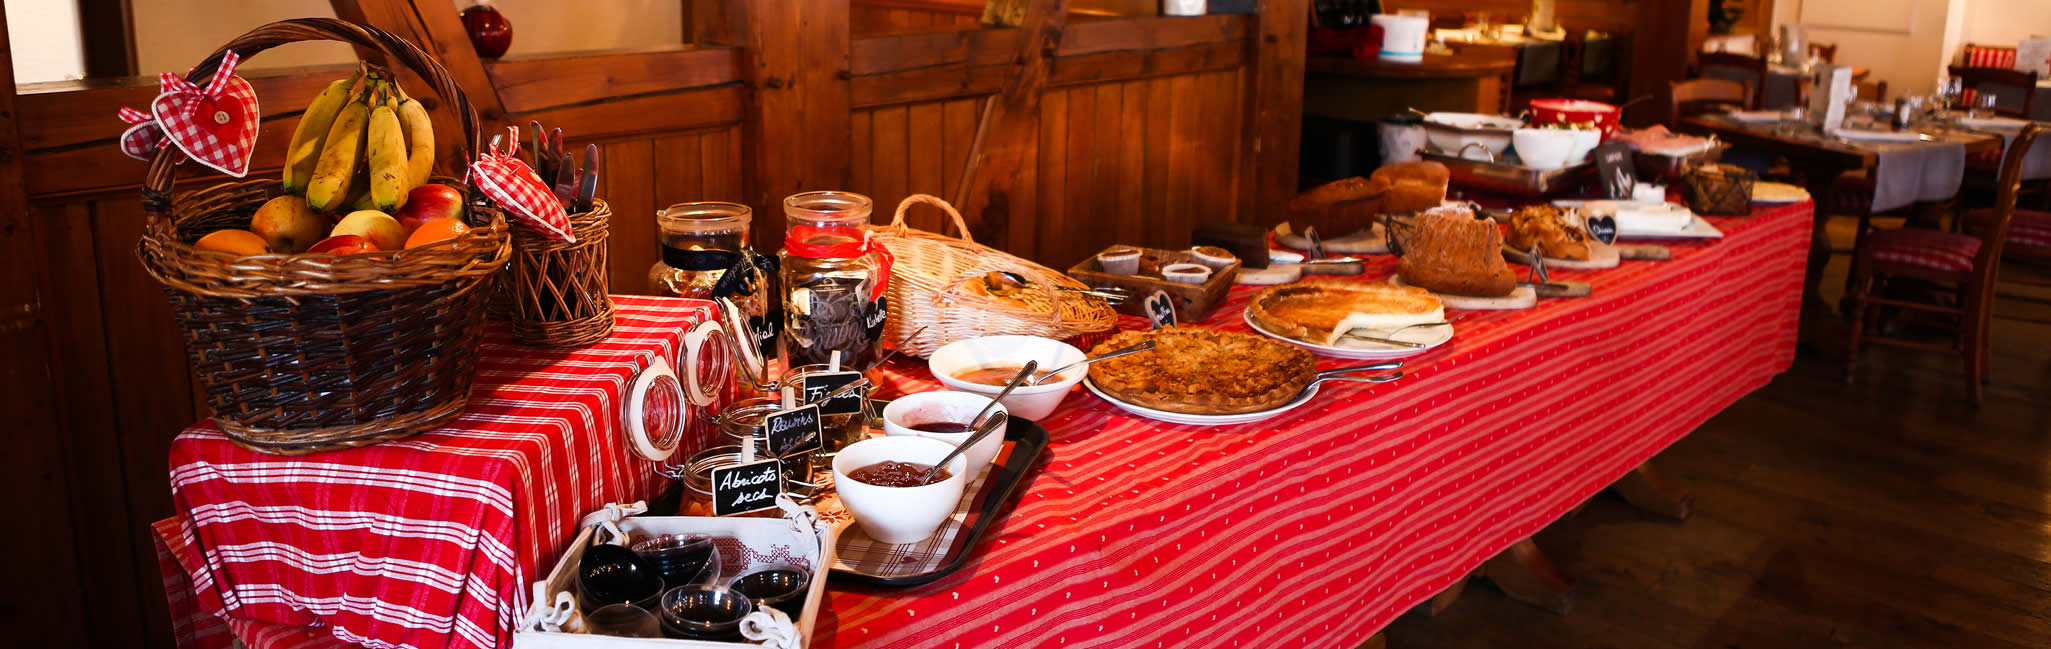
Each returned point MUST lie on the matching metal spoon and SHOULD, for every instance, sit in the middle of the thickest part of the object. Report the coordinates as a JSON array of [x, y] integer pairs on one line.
[[995, 423], [1109, 355], [900, 347], [1010, 279], [1023, 374]]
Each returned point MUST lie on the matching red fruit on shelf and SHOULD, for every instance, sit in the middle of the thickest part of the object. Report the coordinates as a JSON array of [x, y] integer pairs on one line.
[[490, 32]]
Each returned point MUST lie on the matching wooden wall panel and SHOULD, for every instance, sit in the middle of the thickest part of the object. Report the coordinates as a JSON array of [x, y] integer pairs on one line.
[[1139, 161], [893, 16], [645, 175]]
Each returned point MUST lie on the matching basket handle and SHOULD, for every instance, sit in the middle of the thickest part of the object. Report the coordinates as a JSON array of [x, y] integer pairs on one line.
[[929, 199], [156, 185]]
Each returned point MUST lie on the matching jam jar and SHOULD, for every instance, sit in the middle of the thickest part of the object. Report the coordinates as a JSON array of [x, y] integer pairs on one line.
[[698, 482], [833, 277], [741, 423], [837, 431], [701, 243]]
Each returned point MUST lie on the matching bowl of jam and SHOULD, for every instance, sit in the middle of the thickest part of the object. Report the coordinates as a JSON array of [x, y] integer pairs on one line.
[[944, 415], [982, 365], [881, 481]]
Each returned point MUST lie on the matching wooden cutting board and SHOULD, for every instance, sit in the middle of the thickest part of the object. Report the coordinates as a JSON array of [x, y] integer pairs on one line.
[[1524, 297]]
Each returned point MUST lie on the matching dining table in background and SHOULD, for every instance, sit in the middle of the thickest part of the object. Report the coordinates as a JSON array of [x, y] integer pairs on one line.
[[1319, 526], [1818, 161], [1783, 85]]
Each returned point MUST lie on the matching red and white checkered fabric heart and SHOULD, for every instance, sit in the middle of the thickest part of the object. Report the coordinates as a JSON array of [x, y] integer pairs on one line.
[[142, 140], [216, 125], [507, 179]]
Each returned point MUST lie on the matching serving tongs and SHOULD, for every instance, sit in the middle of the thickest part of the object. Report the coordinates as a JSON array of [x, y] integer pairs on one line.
[[1341, 374]]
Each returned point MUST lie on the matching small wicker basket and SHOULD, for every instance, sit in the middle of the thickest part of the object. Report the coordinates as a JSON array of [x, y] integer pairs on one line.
[[558, 295], [306, 353], [1719, 189], [932, 287]]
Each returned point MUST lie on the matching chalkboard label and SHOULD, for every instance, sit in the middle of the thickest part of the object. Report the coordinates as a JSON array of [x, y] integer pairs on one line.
[[817, 386], [1603, 227], [793, 431], [1613, 163], [1160, 309], [745, 488]]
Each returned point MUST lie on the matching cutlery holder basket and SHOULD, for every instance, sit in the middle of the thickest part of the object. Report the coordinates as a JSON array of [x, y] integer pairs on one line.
[[1720, 189], [557, 294]]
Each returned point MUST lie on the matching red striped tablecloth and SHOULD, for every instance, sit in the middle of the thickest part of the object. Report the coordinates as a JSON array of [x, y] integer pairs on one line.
[[430, 541], [1316, 528]]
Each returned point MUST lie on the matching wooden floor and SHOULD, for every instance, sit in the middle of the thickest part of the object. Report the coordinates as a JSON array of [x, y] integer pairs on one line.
[[1886, 514]]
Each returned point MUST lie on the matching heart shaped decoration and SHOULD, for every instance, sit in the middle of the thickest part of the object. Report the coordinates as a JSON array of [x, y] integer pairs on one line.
[[216, 125], [1603, 228], [507, 179], [142, 141]]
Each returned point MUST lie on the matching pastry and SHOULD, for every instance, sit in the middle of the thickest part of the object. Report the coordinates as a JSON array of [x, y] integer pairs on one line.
[[1214, 257], [1322, 310], [1413, 186], [1203, 371], [1547, 228], [1449, 251], [1120, 260], [1340, 207]]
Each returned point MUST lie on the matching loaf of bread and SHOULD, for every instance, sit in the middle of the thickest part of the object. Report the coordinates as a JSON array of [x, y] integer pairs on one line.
[[1340, 207], [1547, 228], [1413, 186], [1449, 251]]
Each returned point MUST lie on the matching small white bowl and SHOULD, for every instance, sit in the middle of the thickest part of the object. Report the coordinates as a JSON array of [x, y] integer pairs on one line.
[[1544, 148], [898, 515], [1033, 402], [1120, 261], [945, 405], [1585, 141], [1186, 273]]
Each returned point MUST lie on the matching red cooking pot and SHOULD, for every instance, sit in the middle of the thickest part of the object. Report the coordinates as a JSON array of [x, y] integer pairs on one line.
[[1576, 111]]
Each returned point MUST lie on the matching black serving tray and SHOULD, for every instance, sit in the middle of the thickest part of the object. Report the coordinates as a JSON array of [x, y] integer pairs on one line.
[[992, 503]]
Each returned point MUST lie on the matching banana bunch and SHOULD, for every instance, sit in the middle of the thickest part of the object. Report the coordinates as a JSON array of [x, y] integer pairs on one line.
[[360, 146]]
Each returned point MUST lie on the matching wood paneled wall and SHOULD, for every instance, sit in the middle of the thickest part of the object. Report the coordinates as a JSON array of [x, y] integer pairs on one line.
[[866, 17], [1146, 128]]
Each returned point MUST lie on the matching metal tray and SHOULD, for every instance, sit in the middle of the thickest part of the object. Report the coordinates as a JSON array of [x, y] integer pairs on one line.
[[860, 560], [1506, 176]]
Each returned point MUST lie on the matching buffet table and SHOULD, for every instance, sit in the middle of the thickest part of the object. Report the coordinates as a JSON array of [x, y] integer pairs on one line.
[[1318, 527]]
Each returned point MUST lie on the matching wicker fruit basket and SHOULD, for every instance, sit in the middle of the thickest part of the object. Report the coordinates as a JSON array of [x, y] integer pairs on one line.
[[558, 293], [306, 353], [935, 289]]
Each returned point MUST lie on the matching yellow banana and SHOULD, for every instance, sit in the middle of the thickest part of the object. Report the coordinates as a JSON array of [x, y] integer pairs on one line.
[[420, 134], [339, 157], [387, 149], [358, 198], [304, 149]]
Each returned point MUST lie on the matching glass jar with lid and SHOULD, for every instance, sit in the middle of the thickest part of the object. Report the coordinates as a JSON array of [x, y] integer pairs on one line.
[[697, 476], [742, 423], [702, 242], [833, 278]]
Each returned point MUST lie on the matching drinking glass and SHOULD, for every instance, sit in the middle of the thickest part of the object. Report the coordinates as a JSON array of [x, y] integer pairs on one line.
[[1983, 105], [624, 620]]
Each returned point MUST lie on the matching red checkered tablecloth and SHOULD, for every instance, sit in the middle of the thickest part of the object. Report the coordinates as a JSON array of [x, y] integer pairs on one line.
[[1316, 528], [427, 542]]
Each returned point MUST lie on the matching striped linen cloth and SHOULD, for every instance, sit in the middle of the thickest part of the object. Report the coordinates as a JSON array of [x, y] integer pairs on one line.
[[1316, 528], [430, 541]]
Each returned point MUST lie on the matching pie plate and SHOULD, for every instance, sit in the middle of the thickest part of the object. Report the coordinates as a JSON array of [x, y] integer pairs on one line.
[[1203, 420], [1430, 337]]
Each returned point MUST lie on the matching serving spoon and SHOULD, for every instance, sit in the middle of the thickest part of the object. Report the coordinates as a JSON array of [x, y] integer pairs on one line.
[[995, 422], [1125, 351], [1023, 374]]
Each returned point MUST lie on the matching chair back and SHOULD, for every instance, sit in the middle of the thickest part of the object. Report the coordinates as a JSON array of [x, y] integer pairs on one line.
[[1875, 91], [1825, 52], [1748, 70], [1994, 231], [2000, 81], [1698, 96]]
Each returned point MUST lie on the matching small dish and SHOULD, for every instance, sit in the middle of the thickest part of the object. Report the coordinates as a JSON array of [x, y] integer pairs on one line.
[[899, 515], [1033, 402], [1213, 257], [902, 415], [1186, 273], [1120, 261], [1544, 149]]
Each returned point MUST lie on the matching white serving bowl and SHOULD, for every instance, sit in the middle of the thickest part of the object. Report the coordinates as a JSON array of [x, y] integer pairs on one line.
[[898, 515], [1450, 133], [945, 405], [1585, 141], [1543, 148], [1033, 402]]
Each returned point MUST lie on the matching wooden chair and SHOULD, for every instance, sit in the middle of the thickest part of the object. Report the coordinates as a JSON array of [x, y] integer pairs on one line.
[[1698, 96], [1750, 70], [1581, 77], [1874, 91], [1968, 263], [2003, 81], [1825, 52], [2029, 240]]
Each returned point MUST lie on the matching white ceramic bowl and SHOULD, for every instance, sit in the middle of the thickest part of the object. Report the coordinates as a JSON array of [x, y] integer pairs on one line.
[[1031, 402], [1450, 133], [945, 405], [898, 515], [1585, 141], [1543, 148]]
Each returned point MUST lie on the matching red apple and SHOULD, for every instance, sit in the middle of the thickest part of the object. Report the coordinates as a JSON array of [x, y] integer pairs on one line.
[[343, 244], [429, 202]]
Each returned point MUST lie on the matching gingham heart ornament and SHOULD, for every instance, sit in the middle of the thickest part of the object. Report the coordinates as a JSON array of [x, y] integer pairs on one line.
[[216, 124], [508, 180]]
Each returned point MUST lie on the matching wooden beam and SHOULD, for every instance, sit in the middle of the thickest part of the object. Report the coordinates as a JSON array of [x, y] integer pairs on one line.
[[69, 113], [1274, 108], [671, 112], [106, 29], [991, 187], [797, 129], [536, 83], [435, 27]]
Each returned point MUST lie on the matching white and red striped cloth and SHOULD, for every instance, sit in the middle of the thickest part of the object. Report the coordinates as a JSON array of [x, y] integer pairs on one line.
[[1316, 528], [1988, 56], [430, 541]]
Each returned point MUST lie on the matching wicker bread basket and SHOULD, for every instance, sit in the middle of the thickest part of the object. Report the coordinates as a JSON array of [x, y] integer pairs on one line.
[[306, 353], [559, 296], [934, 286]]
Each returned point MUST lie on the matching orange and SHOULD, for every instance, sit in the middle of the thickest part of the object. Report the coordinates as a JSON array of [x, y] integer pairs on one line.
[[241, 242], [434, 230]]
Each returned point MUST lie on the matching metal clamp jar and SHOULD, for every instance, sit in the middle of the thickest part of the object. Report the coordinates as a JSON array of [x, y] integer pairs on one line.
[[701, 243], [697, 477], [836, 431], [741, 424], [833, 278]]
